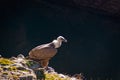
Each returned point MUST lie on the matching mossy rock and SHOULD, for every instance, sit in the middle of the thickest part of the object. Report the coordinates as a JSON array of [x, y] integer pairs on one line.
[[20, 68], [4, 61]]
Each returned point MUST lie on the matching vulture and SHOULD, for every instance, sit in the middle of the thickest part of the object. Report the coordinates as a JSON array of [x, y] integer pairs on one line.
[[43, 53]]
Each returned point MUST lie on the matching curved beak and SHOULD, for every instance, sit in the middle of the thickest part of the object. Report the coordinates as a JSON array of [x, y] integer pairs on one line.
[[65, 40]]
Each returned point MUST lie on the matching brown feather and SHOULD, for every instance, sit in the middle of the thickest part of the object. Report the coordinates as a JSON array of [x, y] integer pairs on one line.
[[43, 53]]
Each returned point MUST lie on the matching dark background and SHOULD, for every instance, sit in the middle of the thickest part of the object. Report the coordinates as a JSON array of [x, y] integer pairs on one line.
[[93, 36]]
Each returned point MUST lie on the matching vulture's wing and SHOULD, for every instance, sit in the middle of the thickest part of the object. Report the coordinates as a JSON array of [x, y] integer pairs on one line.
[[43, 51]]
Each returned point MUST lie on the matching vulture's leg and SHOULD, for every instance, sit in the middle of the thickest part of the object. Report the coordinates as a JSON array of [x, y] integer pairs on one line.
[[44, 63]]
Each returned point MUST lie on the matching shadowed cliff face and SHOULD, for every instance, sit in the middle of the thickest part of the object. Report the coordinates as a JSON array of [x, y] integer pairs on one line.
[[93, 37], [110, 7]]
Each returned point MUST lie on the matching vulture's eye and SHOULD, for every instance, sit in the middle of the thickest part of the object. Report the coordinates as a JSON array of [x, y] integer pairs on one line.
[[63, 39]]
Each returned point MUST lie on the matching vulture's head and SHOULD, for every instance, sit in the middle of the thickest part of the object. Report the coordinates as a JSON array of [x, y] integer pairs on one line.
[[62, 39], [59, 41]]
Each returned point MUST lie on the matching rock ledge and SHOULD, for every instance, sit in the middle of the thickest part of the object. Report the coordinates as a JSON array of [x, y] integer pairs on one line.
[[21, 68]]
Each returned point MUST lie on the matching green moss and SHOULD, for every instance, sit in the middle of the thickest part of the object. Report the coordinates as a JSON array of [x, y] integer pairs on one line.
[[12, 68], [5, 73], [30, 63], [25, 70], [1, 69], [4, 61], [54, 76], [15, 77]]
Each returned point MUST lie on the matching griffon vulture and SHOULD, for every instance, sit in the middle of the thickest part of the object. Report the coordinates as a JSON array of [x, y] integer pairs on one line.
[[43, 53]]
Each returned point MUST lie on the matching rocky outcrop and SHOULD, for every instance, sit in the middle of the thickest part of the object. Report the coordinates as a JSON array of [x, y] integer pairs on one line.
[[21, 68], [109, 7]]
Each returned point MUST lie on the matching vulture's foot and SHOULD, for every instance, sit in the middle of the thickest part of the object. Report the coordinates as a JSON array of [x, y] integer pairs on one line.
[[49, 69]]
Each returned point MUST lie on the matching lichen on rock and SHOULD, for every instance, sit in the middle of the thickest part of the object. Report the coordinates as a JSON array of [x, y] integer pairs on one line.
[[21, 68]]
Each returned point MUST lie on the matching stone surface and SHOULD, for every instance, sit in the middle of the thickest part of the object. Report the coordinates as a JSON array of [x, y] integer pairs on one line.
[[21, 68], [111, 7]]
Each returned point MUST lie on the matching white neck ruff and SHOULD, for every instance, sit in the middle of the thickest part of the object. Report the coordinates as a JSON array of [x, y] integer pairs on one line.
[[57, 43]]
